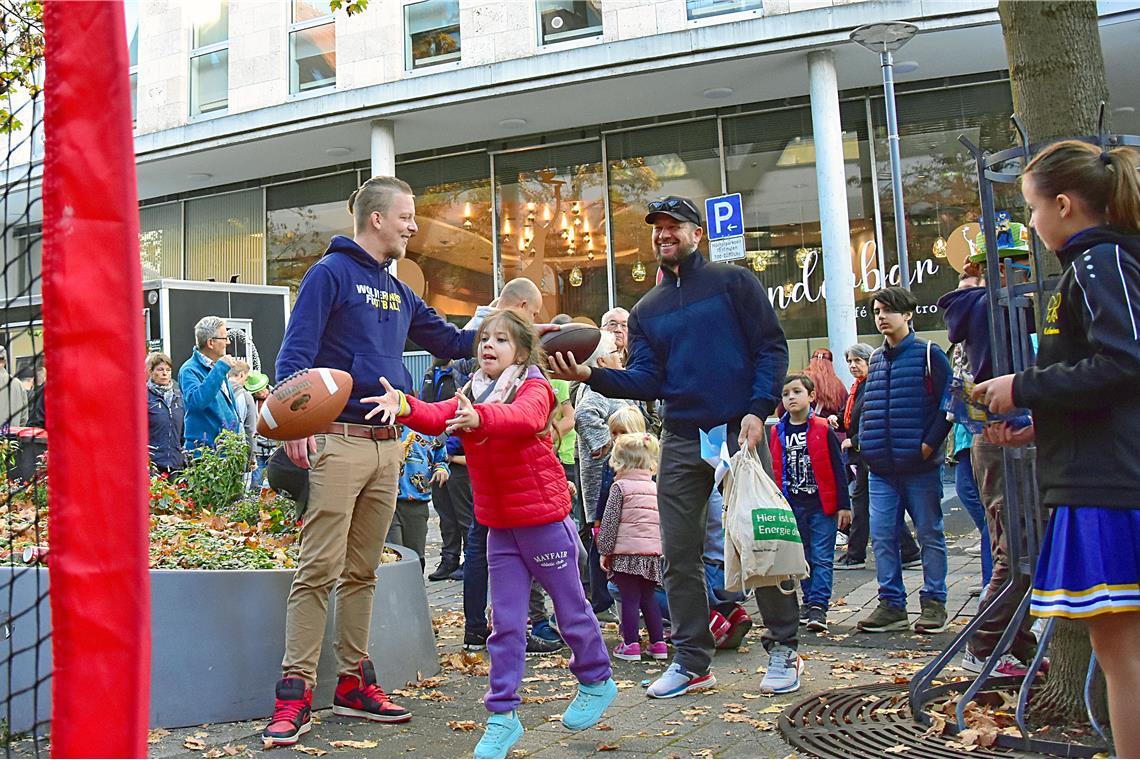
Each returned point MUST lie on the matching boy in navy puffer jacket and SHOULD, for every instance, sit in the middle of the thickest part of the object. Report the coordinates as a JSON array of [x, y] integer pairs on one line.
[[903, 430]]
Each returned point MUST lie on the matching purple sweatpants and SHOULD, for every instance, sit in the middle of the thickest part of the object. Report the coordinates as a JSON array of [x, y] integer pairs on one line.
[[549, 554], [638, 599]]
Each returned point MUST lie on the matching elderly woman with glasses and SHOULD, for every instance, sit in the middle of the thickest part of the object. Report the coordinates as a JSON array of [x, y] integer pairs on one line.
[[847, 421]]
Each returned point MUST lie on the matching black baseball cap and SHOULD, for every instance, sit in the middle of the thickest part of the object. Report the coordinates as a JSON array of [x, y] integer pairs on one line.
[[681, 209]]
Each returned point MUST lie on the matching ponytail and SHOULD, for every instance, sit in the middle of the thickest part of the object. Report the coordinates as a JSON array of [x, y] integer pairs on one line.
[[1105, 181], [1124, 199]]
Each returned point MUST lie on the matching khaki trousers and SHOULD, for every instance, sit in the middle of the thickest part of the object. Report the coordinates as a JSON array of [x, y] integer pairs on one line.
[[353, 484]]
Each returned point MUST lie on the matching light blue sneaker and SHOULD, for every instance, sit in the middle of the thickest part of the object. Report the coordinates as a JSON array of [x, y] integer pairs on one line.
[[503, 732], [588, 706], [784, 668], [676, 681]]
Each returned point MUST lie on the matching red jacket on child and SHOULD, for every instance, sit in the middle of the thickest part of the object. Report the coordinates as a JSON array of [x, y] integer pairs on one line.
[[820, 455], [516, 478]]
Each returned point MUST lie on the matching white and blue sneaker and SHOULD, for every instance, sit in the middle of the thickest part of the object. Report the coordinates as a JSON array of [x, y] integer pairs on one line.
[[784, 668], [503, 732], [587, 708], [676, 681]]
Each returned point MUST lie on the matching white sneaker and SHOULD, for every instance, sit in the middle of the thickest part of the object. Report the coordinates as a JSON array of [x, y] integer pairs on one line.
[[840, 540], [784, 669]]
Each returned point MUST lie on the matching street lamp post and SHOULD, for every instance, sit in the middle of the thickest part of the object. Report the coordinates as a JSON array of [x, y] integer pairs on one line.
[[885, 38]]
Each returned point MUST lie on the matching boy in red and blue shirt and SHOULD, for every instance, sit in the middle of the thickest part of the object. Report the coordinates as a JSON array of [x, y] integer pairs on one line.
[[810, 472]]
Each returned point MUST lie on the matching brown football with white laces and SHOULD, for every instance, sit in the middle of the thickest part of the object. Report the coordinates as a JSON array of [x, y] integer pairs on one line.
[[304, 403]]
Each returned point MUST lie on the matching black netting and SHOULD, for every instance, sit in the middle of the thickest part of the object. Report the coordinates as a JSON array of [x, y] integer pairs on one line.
[[25, 653]]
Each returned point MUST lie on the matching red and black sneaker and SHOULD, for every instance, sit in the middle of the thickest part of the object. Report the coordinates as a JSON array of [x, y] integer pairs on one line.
[[292, 713], [739, 624], [359, 696]]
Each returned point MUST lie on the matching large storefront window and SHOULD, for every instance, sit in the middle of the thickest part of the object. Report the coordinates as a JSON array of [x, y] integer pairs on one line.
[[770, 160], [940, 182], [551, 225], [225, 238], [450, 260], [160, 240], [646, 164], [301, 218]]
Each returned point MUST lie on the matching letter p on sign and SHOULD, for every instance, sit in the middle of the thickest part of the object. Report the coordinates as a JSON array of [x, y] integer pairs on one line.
[[725, 216]]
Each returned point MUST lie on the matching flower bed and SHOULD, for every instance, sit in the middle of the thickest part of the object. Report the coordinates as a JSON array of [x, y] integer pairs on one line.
[[221, 567]]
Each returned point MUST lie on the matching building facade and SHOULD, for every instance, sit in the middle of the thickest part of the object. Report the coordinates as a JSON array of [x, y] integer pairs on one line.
[[535, 131]]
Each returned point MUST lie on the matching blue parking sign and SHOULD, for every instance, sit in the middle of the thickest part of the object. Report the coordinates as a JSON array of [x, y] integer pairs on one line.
[[725, 216]]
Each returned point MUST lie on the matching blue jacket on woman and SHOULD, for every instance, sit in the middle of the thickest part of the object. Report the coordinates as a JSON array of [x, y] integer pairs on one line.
[[902, 407], [165, 423]]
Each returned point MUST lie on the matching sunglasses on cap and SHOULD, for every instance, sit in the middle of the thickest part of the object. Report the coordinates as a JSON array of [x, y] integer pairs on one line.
[[672, 204]]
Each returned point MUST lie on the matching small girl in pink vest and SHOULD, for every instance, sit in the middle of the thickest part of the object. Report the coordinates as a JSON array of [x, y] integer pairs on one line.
[[629, 542]]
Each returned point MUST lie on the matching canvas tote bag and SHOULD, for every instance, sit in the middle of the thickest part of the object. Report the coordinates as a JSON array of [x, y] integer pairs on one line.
[[762, 545]]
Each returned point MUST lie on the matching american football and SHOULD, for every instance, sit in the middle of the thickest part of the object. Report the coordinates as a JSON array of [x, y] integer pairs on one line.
[[577, 339], [304, 404]]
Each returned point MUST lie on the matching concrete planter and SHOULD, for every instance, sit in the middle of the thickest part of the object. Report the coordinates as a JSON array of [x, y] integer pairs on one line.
[[217, 637]]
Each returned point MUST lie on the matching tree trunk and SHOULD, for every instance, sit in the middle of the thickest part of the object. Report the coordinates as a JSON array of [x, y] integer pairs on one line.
[[1056, 70], [1056, 66]]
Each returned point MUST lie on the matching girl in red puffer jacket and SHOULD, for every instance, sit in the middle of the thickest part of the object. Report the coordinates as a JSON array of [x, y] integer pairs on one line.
[[503, 417]]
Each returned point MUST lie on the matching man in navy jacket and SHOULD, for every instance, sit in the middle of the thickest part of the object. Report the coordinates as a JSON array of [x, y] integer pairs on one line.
[[351, 314], [902, 432], [706, 341]]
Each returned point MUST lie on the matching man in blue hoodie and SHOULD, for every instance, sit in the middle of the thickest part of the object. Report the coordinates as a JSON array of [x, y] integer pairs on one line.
[[707, 342], [352, 314]]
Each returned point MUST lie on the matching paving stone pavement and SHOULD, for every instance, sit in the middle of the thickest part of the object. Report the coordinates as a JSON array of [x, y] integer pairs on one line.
[[731, 720]]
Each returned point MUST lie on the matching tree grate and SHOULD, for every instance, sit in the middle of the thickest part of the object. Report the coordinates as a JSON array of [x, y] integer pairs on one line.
[[871, 721]]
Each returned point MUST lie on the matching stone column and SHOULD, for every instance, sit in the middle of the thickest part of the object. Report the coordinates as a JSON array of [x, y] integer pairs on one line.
[[384, 148], [835, 230]]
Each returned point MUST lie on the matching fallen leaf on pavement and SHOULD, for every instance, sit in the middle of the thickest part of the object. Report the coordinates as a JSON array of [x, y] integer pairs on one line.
[[155, 735], [667, 732], [216, 752], [702, 753], [746, 695], [354, 744], [773, 709], [194, 743], [898, 749], [462, 725], [231, 750], [604, 727], [605, 747], [309, 750]]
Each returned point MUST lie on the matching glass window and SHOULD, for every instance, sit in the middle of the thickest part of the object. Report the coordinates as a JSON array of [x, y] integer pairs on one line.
[[699, 9], [307, 10], [432, 29], [160, 240], [939, 179], [210, 57], [312, 52], [562, 20], [452, 253], [131, 17], [211, 22], [134, 78], [209, 82], [770, 161], [301, 218], [644, 165], [225, 236], [552, 225]]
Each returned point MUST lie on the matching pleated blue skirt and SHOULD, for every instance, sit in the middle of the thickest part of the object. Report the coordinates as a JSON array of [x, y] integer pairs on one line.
[[1089, 564]]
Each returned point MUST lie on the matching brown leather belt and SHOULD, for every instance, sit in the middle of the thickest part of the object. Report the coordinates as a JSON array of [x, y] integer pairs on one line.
[[371, 432]]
